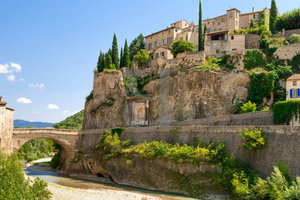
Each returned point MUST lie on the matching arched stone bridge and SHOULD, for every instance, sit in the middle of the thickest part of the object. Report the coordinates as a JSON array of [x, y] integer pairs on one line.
[[66, 138]]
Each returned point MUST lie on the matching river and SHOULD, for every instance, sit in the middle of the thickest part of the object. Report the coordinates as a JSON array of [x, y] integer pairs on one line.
[[112, 190]]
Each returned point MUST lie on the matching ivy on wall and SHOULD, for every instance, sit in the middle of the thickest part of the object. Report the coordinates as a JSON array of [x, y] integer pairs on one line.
[[283, 111]]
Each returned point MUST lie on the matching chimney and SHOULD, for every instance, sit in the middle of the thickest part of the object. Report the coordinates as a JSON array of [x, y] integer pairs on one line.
[[253, 9], [1, 99]]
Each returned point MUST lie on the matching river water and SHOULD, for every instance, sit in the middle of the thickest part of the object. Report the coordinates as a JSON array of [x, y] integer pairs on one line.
[[55, 178]]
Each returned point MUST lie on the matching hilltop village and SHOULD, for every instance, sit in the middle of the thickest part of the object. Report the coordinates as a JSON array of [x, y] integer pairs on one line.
[[209, 111]]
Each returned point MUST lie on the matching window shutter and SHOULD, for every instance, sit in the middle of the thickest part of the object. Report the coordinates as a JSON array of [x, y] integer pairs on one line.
[[298, 91], [291, 93]]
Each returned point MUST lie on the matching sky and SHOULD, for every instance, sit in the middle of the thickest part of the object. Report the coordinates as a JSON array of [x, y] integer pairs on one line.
[[49, 48]]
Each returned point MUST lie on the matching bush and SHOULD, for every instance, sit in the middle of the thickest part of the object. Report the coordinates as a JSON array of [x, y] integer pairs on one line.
[[142, 57], [253, 59], [295, 38], [295, 62], [13, 184], [180, 46], [90, 97], [254, 139], [283, 111], [252, 30], [289, 20], [248, 107], [118, 130]]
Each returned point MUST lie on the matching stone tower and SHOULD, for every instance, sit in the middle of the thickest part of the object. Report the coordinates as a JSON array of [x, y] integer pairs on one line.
[[6, 127]]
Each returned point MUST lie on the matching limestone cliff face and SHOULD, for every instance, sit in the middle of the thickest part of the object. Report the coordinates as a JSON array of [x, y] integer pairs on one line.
[[195, 95], [106, 107]]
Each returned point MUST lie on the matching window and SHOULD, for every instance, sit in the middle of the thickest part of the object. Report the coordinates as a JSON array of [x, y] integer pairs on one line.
[[181, 38], [230, 14], [155, 44], [294, 83], [164, 42], [162, 54], [169, 40], [186, 38], [208, 30], [207, 22], [217, 51], [294, 93], [156, 55], [151, 57], [232, 37], [218, 23], [150, 46]]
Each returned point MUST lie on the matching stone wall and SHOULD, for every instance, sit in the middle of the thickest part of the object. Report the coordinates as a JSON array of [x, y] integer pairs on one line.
[[257, 118], [288, 51], [252, 41], [284, 142], [287, 34], [6, 127]]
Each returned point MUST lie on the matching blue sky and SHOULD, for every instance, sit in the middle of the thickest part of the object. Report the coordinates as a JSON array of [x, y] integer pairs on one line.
[[48, 48]]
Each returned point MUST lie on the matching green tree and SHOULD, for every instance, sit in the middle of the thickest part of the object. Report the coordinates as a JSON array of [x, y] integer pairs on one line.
[[13, 184], [200, 38], [142, 57], [180, 46], [273, 16], [136, 45], [115, 52], [126, 56], [101, 60], [121, 58], [108, 61]]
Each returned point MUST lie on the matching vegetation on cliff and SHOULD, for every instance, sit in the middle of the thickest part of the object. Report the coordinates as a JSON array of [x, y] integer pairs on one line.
[[13, 184], [181, 46], [289, 20], [73, 122], [283, 111]]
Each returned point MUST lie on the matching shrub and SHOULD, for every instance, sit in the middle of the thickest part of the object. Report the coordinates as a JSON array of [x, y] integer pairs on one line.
[[180, 46], [118, 130], [252, 30], [253, 59], [89, 97], [254, 141], [289, 20], [295, 62], [295, 38], [283, 111], [248, 107], [13, 184], [142, 57]]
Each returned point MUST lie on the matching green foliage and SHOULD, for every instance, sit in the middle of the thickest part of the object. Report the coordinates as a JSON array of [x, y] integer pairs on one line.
[[283, 72], [289, 20], [89, 97], [277, 42], [295, 62], [101, 62], [73, 122], [121, 58], [136, 45], [108, 61], [37, 149], [248, 107], [256, 30], [254, 141], [13, 184], [126, 56], [273, 16], [261, 85], [283, 111], [117, 130], [253, 59], [115, 52], [295, 38], [142, 57], [180, 46], [200, 37], [56, 159], [144, 81]]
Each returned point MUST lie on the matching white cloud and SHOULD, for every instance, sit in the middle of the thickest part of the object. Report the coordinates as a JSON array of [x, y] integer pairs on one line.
[[4, 69], [24, 100], [39, 85], [11, 77], [15, 67], [52, 107]]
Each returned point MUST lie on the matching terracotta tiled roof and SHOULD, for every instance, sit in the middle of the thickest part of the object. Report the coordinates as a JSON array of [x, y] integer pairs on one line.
[[294, 77]]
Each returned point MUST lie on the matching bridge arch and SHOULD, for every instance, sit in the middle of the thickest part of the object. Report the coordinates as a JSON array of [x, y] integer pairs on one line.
[[66, 138]]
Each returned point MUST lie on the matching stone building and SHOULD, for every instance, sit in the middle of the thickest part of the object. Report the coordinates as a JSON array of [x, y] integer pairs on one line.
[[6, 127], [293, 87]]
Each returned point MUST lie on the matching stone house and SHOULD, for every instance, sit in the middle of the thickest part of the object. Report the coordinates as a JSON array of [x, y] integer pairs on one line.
[[6, 126], [293, 87]]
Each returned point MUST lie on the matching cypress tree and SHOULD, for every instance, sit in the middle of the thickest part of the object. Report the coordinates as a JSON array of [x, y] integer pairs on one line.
[[136, 45], [200, 39], [273, 16], [121, 58], [101, 62], [108, 61], [115, 52], [126, 56]]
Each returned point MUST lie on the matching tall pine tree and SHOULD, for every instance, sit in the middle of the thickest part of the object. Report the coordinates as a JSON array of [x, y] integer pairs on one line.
[[126, 56], [121, 58], [108, 61], [273, 16], [136, 45], [200, 39], [101, 60], [115, 52]]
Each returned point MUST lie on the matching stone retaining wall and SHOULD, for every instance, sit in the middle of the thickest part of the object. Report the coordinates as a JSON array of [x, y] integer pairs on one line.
[[287, 34]]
